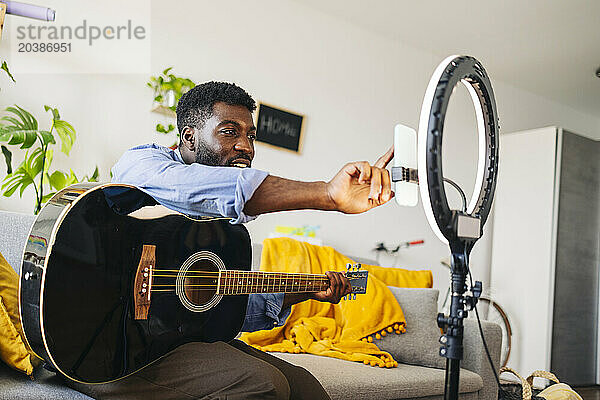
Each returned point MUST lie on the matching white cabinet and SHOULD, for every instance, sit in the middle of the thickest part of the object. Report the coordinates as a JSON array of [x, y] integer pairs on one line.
[[545, 250]]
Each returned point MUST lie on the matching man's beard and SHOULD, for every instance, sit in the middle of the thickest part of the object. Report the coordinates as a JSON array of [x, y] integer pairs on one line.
[[205, 155]]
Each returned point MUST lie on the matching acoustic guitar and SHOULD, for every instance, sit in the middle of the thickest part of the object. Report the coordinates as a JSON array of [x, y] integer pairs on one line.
[[111, 281]]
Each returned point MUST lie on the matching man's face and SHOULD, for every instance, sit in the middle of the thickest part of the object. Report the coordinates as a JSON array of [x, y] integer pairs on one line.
[[227, 138]]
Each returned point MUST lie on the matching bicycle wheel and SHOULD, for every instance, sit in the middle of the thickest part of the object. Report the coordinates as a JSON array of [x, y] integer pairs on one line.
[[491, 311]]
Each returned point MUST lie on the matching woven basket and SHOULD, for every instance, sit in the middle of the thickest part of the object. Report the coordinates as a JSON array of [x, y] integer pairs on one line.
[[525, 391]]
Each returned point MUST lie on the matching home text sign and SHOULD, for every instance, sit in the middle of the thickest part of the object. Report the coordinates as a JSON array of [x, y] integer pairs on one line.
[[279, 128]]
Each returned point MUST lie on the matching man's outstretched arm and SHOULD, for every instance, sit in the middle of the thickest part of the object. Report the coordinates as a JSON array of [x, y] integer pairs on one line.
[[356, 188]]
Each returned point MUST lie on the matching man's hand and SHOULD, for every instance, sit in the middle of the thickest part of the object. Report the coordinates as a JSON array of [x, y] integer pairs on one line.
[[358, 186], [339, 286]]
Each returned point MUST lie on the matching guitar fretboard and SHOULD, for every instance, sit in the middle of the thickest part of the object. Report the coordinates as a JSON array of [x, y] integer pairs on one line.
[[247, 282]]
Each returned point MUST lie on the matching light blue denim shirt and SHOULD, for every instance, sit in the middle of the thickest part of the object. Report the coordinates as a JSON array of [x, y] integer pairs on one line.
[[201, 190]]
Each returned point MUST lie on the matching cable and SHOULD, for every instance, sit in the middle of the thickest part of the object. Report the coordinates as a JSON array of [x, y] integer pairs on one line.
[[460, 191], [485, 346]]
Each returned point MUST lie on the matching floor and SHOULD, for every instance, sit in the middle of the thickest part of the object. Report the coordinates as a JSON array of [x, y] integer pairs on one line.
[[589, 392]]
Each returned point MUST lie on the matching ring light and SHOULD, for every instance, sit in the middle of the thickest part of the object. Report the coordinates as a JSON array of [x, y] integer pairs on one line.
[[460, 229], [468, 71]]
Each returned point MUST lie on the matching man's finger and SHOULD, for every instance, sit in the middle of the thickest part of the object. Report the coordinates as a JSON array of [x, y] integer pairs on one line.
[[348, 286], [362, 169], [332, 285], [375, 192], [386, 188], [338, 286], [385, 159]]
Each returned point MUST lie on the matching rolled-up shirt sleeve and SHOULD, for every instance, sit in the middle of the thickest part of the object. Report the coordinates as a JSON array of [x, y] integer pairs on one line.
[[192, 189], [265, 311]]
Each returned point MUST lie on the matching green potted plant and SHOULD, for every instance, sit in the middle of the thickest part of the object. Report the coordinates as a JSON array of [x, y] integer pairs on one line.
[[168, 89], [20, 128]]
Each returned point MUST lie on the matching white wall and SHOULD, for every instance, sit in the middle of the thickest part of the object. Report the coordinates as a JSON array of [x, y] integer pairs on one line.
[[352, 86]]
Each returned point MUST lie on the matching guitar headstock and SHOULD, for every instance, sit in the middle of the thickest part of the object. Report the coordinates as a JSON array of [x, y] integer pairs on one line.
[[358, 280]]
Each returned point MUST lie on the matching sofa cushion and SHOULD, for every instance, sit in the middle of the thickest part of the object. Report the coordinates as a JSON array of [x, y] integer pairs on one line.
[[419, 345], [45, 385], [14, 231], [350, 380]]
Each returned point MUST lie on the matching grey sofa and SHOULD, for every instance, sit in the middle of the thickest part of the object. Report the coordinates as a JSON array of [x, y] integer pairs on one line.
[[342, 379]]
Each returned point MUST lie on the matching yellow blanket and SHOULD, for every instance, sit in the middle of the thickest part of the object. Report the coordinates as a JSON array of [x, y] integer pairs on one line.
[[342, 330]]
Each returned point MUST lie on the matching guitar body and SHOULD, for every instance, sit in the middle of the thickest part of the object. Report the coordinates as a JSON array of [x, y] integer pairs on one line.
[[78, 281]]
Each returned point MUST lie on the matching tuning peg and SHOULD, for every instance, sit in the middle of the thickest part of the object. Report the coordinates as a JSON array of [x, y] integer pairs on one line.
[[344, 297], [348, 266], [353, 296], [358, 266]]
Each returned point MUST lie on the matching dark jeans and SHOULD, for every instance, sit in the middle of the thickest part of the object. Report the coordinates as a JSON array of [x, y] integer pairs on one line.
[[218, 370]]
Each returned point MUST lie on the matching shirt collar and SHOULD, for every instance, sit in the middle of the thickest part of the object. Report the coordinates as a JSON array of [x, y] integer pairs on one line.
[[178, 156]]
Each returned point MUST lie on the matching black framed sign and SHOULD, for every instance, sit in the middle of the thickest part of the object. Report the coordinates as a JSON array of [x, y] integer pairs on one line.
[[278, 127]]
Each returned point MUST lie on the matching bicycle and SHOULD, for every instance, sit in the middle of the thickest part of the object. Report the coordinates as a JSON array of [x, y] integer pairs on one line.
[[489, 310]]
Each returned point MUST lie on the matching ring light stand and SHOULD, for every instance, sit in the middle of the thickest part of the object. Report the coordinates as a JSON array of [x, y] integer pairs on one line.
[[460, 229]]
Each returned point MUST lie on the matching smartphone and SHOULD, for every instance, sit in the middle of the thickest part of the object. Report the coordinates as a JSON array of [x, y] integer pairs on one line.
[[405, 155]]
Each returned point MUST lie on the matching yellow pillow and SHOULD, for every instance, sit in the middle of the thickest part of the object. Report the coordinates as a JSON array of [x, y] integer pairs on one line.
[[12, 347]]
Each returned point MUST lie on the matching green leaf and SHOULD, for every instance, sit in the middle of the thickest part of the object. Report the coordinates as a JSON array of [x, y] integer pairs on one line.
[[4, 67], [159, 98], [66, 132], [20, 178], [47, 137], [26, 138], [24, 184], [29, 121], [48, 161], [8, 159], [4, 134], [55, 113], [14, 121], [72, 178], [161, 128], [33, 124], [35, 161], [58, 180], [12, 187], [22, 127], [95, 174]]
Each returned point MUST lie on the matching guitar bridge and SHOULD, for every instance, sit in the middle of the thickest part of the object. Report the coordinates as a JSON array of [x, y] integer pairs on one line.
[[142, 288]]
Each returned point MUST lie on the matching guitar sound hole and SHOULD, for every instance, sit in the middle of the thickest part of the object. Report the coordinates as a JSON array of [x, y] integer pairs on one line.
[[200, 282]]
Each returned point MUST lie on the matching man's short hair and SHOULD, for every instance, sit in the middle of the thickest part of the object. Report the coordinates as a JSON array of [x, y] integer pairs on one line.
[[196, 106]]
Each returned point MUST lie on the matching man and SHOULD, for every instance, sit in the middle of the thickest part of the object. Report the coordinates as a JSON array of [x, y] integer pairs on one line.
[[210, 174]]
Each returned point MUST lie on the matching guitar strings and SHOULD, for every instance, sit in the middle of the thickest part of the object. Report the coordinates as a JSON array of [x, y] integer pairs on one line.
[[244, 292], [214, 285], [238, 279], [247, 273], [245, 279], [244, 275]]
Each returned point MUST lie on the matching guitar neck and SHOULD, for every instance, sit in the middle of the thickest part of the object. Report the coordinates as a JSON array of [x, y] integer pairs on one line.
[[247, 282]]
